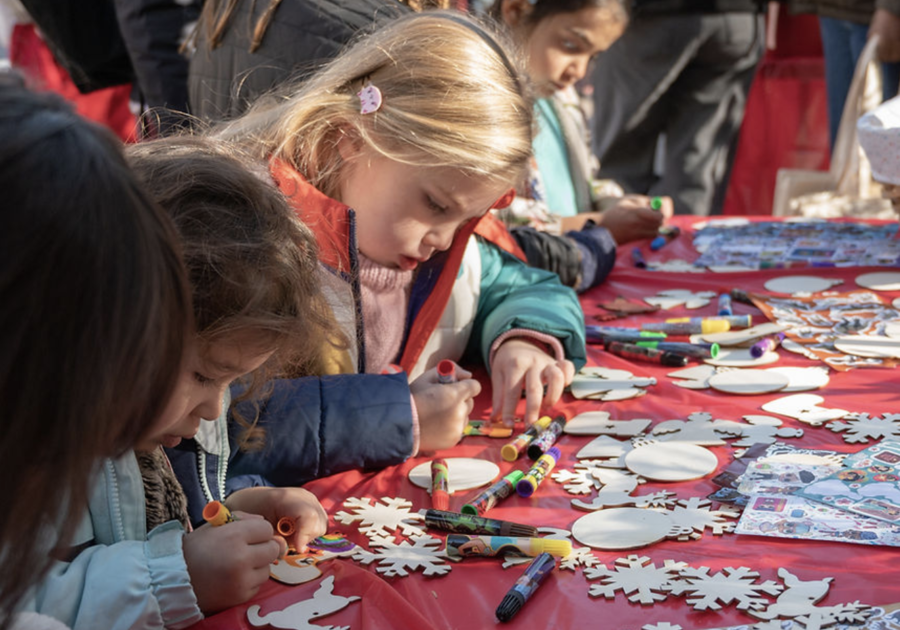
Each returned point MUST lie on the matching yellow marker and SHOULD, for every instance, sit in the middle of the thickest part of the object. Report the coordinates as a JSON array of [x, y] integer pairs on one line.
[[215, 513], [510, 452]]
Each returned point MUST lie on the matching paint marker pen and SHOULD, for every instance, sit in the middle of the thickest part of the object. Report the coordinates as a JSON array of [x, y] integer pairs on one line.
[[440, 484], [484, 501], [739, 295], [510, 452], [547, 438], [656, 203], [766, 344], [215, 513], [541, 468], [286, 526], [446, 372], [525, 586], [469, 524], [638, 257], [463, 546], [624, 330], [696, 350], [597, 334], [735, 321], [640, 353], [689, 328], [725, 304], [666, 234]]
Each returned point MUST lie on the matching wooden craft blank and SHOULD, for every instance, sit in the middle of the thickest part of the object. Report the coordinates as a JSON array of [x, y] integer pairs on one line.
[[621, 528], [880, 281], [671, 461], [800, 284], [465, 473], [748, 382]]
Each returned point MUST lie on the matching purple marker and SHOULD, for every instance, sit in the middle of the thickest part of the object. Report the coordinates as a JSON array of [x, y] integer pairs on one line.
[[766, 344]]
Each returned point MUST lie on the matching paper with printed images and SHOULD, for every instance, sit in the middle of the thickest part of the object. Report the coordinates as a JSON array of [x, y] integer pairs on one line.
[[817, 321], [868, 484], [811, 243], [781, 477], [792, 516]]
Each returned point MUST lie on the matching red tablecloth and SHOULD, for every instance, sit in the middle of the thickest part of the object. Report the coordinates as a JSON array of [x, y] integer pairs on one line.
[[467, 596]]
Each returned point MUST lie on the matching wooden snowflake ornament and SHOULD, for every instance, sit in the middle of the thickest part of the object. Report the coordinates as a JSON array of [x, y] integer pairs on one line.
[[709, 592], [691, 517], [382, 519], [398, 559], [859, 428], [637, 577]]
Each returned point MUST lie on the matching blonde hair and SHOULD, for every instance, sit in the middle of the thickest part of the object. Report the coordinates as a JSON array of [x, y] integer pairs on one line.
[[453, 96]]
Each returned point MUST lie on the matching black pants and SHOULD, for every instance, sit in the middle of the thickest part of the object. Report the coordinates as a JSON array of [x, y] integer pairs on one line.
[[684, 76]]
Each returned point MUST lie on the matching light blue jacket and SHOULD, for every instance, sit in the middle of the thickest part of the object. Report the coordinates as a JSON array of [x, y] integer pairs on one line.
[[122, 577]]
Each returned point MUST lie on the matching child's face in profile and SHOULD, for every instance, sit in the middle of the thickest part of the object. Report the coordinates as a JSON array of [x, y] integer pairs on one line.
[[406, 213], [207, 369], [561, 46]]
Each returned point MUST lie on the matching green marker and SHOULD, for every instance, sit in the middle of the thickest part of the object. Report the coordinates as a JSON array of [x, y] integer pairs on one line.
[[696, 350], [656, 203]]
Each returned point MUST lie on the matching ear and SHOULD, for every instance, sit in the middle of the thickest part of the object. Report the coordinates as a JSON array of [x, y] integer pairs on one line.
[[514, 12], [505, 200], [349, 143]]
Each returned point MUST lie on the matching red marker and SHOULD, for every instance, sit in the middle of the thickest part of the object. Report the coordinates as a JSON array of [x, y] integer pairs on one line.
[[446, 372]]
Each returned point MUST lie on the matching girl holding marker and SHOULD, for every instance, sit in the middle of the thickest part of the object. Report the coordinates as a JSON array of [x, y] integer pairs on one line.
[[135, 561], [393, 155], [560, 37]]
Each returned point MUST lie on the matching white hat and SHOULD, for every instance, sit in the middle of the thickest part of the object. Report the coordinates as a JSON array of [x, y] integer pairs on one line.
[[879, 136]]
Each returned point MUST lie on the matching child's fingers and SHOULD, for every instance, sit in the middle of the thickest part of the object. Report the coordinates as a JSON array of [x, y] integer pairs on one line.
[[262, 554], [462, 374], [467, 388], [507, 392], [534, 395], [556, 382], [568, 369]]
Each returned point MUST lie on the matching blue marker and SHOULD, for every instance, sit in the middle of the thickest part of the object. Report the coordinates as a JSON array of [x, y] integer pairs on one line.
[[666, 234], [638, 258], [725, 304]]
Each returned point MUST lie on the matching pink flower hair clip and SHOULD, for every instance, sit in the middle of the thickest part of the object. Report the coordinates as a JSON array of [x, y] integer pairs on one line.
[[370, 99]]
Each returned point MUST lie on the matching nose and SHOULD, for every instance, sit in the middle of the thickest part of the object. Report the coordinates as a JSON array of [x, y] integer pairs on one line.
[[439, 238], [210, 406], [577, 69]]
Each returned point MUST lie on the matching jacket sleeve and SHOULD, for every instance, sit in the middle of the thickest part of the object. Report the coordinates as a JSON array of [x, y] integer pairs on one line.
[[514, 295], [129, 584], [318, 426]]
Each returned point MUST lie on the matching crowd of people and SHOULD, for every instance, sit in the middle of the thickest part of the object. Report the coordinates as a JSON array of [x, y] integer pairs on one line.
[[328, 199]]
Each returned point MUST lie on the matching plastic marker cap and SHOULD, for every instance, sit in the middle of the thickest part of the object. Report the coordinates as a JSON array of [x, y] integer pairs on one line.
[[559, 548], [216, 514], [446, 371], [656, 203]]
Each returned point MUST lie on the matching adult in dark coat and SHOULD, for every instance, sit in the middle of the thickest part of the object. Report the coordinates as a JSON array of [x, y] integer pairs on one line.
[[259, 45]]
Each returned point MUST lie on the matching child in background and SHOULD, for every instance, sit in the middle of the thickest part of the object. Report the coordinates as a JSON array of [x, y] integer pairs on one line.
[[251, 266], [92, 323], [879, 137], [560, 37], [393, 155]]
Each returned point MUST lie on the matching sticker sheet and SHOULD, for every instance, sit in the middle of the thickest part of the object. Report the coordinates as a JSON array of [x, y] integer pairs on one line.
[[868, 484], [775, 477], [792, 516], [776, 244], [817, 321]]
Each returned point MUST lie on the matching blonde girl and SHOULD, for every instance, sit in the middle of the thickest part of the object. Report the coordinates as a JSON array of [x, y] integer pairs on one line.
[[393, 155]]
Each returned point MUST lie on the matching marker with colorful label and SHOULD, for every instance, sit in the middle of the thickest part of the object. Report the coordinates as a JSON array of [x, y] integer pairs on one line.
[[725, 304], [469, 524], [599, 334], [766, 344], [510, 452], [735, 321], [542, 566], [547, 438], [696, 350], [484, 501], [440, 483], [739, 295], [446, 372], [640, 353], [215, 513], [464, 546], [541, 468], [704, 327]]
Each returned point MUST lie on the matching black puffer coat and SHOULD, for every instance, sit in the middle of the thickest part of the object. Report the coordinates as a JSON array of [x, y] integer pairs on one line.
[[302, 35], [859, 11]]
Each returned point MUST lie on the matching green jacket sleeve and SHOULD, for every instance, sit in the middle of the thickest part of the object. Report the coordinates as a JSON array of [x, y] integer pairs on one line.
[[514, 295]]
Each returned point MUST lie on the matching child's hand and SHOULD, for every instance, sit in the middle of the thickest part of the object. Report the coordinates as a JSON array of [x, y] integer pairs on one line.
[[443, 408], [310, 519], [520, 364], [633, 219], [229, 564]]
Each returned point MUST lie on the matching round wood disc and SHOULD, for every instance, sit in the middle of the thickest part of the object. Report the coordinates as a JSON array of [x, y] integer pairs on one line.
[[748, 382], [869, 346], [803, 379], [880, 281], [621, 528], [671, 461], [741, 357], [464, 472], [800, 284]]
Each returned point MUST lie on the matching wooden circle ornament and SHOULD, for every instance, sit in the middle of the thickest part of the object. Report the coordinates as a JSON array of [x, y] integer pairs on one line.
[[621, 528], [671, 461], [465, 473]]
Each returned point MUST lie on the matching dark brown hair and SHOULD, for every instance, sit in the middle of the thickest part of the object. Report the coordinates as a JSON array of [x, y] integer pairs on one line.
[[253, 265], [542, 9], [94, 313]]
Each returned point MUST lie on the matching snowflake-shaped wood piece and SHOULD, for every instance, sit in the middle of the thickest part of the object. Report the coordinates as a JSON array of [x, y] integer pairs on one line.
[[861, 427], [381, 519], [420, 552], [636, 576], [691, 516], [730, 585]]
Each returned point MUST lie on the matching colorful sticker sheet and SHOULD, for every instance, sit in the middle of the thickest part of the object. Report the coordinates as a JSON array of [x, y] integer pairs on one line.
[[771, 244], [868, 484], [792, 516], [816, 321], [775, 477]]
